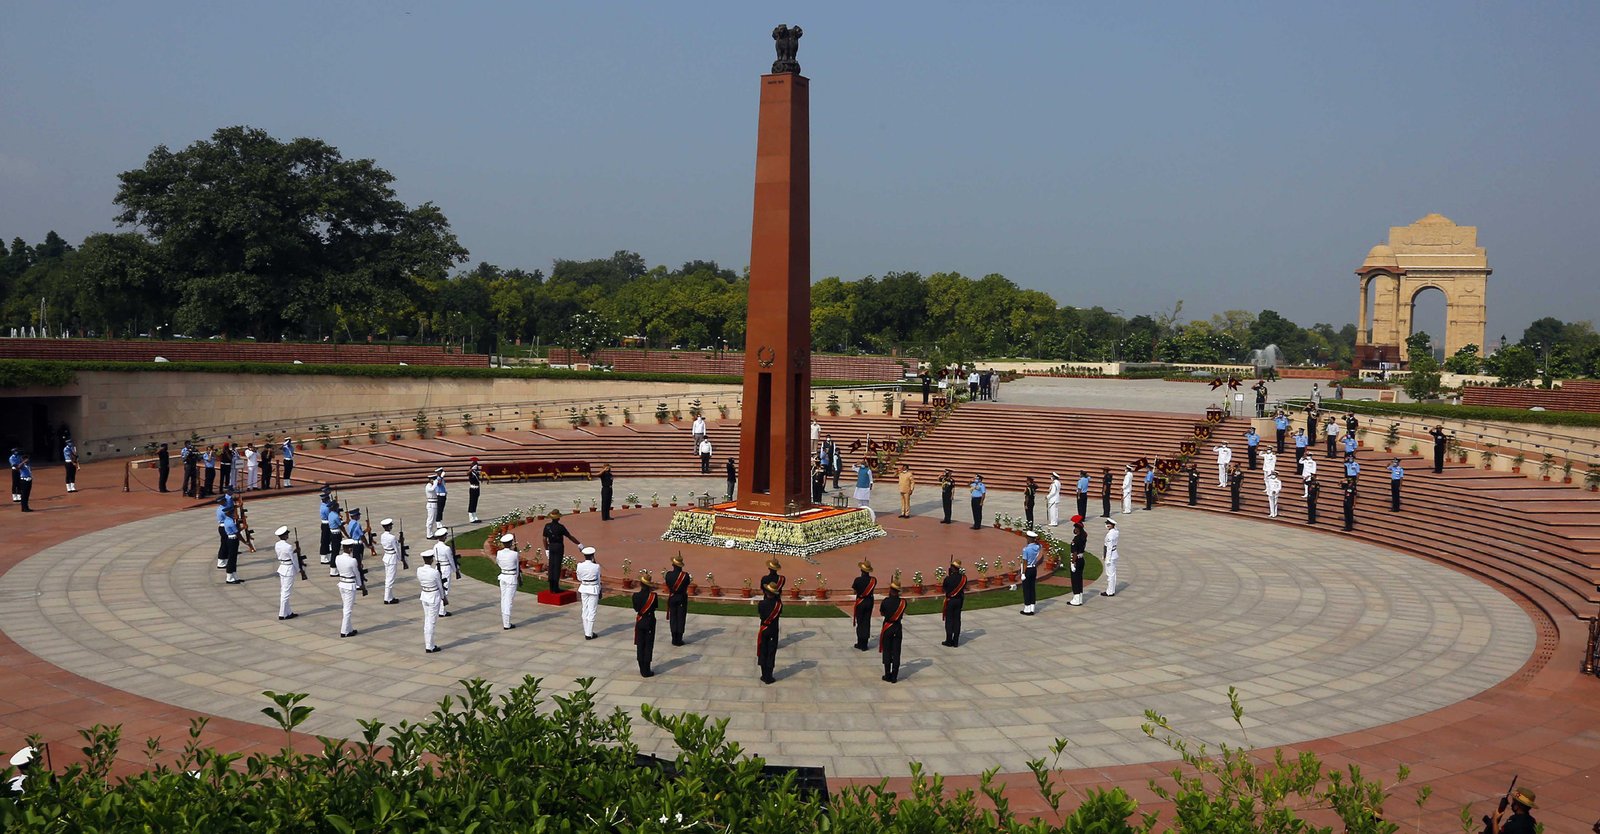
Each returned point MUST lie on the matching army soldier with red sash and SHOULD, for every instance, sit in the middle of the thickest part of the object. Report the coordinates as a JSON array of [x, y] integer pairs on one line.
[[894, 612], [677, 584], [770, 610], [955, 596], [644, 627], [864, 585]]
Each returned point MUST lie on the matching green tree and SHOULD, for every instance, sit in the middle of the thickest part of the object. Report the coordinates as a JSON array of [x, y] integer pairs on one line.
[[1515, 365], [1423, 383], [263, 236], [1464, 361], [1418, 345]]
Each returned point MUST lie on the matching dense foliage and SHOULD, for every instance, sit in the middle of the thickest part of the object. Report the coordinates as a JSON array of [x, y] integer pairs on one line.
[[521, 763]]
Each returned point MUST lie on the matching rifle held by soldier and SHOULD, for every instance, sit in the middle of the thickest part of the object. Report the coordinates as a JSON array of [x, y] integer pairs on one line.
[[300, 556], [404, 549]]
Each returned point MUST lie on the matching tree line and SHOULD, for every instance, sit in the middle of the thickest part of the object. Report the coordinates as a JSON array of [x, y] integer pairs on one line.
[[242, 235]]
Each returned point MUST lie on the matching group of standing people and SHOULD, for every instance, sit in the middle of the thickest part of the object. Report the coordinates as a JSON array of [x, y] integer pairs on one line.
[[232, 468]]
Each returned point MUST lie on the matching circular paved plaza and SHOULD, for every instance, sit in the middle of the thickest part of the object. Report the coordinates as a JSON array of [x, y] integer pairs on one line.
[[1321, 636]]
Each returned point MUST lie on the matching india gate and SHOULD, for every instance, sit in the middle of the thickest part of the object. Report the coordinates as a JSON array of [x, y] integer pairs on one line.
[[1432, 253]]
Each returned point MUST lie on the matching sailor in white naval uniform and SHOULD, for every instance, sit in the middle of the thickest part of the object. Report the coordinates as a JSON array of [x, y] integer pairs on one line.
[[349, 582], [1112, 537], [444, 557], [1127, 489], [389, 543], [1052, 499], [1274, 486], [431, 585], [588, 590], [510, 577], [1224, 457], [288, 565]]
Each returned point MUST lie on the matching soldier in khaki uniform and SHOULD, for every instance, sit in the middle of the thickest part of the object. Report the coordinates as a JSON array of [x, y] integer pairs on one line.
[[908, 485]]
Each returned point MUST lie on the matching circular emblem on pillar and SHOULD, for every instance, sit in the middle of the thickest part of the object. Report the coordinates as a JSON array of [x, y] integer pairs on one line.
[[765, 356]]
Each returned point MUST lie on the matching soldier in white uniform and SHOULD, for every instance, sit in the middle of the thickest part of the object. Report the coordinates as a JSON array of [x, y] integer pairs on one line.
[[431, 584], [1127, 489], [1269, 462], [349, 582], [1052, 499], [252, 466], [510, 577], [1112, 536], [433, 504], [389, 543], [1224, 457], [1308, 470], [445, 559], [1274, 486], [288, 565], [588, 590]]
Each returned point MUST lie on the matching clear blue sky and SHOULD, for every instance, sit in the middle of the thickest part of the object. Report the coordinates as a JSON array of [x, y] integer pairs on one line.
[[1233, 155]]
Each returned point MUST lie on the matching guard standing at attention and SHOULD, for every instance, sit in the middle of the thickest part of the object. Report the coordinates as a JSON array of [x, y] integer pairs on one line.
[[430, 583], [588, 573], [733, 481], [288, 462], [358, 531], [863, 587], [1150, 488], [474, 489], [819, 481], [1080, 542], [1280, 422], [445, 559], [510, 577], [770, 610], [349, 573], [1194, 484], [25, 483], [1082, 492], [890, 636], [1113, 538], [1397, 473], [16, 472], [955, 596], [325, 549], [1105, 493], [947, 492], [676, 582], [230, 542], [69, 455], [224, 511], [908, 484], [389, 543], [1235, 482], [606, 481], [1030, 572], [440, 493], [288, 565], [556, 537], [1440, 442], [1252, 444], [1052, 499], [645, 601]]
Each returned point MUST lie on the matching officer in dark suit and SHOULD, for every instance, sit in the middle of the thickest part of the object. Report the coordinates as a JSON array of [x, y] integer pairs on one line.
[[1313, 489], [955, 596], [863, 587], [927, 386], [1194, 485], [677, 585], [645, 601], [733, 480], [819, 480], [770, 612], [947, 493], [163, 469], [606, 479], [1029, 490], [1440, 442], [556, 537], [1235, 481], [894, 614], [1349, 504], [190, 458], [1105, 493]]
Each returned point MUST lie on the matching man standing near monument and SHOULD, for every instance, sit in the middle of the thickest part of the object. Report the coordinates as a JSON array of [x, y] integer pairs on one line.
[[1396, 474], [1127, 489], [864, 488], [978, 493], [510, 578], [1080, 543], [1113, 539], [1252, 442], [1440, 442], [1224, 457], [1105, 493], [676, 582], [606, 494], [556, 537], [947, 491], [1052, 500], [908, 485], [698, 431], [1081, 491], [430, 584], [863, 587], [1280, 424], [705, 455], [475, 488]]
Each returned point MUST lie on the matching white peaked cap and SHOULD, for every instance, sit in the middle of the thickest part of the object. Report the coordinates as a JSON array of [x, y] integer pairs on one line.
[[507, 539], [349, 543], [441, 532], [23, 756], [587, 550], [281, 531], [386, 522]]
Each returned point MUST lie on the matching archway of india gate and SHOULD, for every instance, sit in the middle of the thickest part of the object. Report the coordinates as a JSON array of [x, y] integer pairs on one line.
[[1432, 253]]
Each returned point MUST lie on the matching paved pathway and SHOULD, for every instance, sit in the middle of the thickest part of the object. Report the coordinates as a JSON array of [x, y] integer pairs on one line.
[[1322, 636], [1142, 394]]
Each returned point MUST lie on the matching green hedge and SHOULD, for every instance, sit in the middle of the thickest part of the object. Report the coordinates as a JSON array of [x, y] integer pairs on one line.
[[15, 373], [1465, 412]]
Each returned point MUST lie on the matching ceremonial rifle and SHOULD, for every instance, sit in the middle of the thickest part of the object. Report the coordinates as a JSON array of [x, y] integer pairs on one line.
[[455, 558], [300, 556], [1492, 826], [244, 523], [403, 548]]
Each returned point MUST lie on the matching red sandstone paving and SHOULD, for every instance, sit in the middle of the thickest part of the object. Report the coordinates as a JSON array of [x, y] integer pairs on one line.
[[1547, 728]]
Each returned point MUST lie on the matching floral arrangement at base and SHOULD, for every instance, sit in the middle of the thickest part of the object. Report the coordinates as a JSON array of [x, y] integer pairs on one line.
[[804, 539]]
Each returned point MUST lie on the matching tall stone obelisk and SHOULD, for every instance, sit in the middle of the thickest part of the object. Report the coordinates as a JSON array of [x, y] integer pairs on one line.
[[775, 441]]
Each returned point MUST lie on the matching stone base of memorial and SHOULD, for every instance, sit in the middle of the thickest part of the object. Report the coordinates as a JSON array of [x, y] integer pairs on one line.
[[804, 533]]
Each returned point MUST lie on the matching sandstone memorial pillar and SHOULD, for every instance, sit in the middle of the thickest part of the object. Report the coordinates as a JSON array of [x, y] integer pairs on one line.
[[774, 440]]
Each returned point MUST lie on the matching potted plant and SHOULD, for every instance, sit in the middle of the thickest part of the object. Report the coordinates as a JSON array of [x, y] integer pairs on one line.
[[1391, 436], [600, 414], [796, 588], [627, 569], [694, 587], [537, 422], [655, 499], [577, 506], [1455, 449], [822, 586], [747, 591], [916, 581], [324, 436], [541, 510], [674, 501], [1566, 471], [694, 408], [661, 412], [1486, 456], [711, 582], [569, 566], [421, 421], [1516, 462], [1415, 451], [983, 572], [627, 415], [466, 423], [1591, 479], [645, 577], [722, 410], [594, 505], [631, 498], [1546, 464], [888, 402], [833, 404]]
